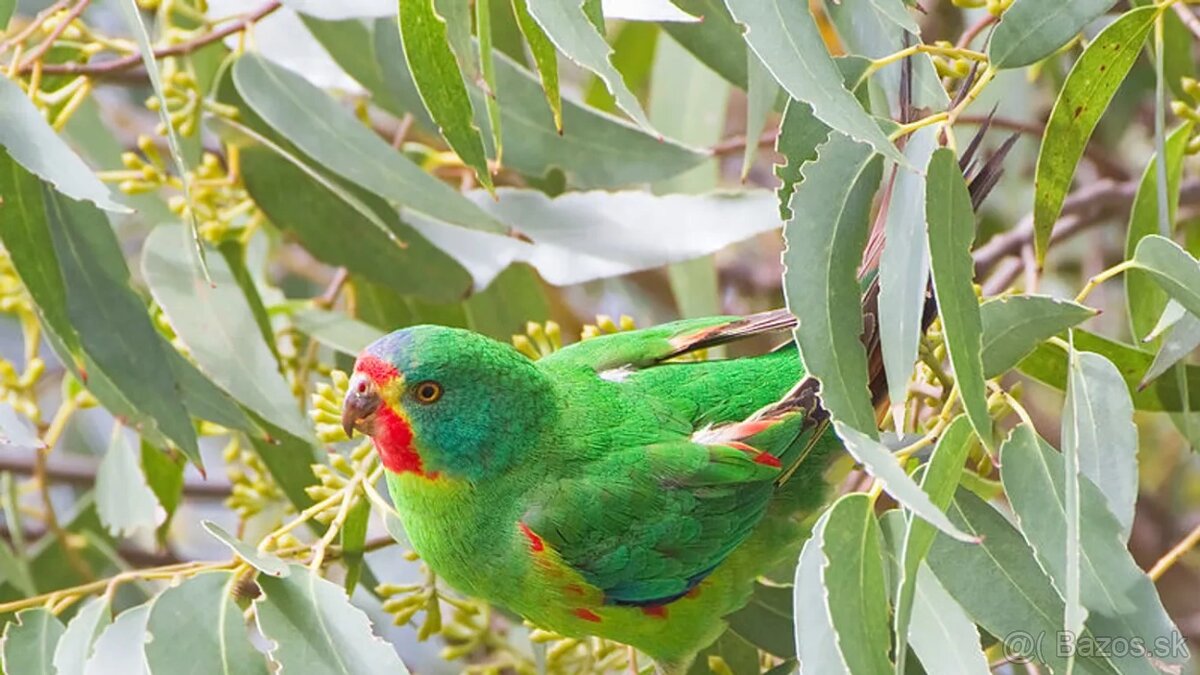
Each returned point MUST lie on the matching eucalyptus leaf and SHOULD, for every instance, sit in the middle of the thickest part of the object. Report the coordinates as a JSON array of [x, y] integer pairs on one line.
[[766, 620], [317, 631], [29, 642], [1182, 339], [941, 633], [16, 430], [335, 330], [544, 56], [120, 648], [1014, 325], [31, 142], [263, 562], [217, 326], [196, 628], [800, 134], [785, 36], [1084, 97], [1172, 268], [124, 499], [761, 93], [1031, 30], [645, 10], [75, 647], [716, 40]]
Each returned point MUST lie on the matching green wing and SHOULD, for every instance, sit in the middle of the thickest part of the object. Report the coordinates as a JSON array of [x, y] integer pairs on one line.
[[647, 524]]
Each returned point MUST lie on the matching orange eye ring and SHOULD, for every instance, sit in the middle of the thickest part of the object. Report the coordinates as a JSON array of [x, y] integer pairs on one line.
[[427, 392]]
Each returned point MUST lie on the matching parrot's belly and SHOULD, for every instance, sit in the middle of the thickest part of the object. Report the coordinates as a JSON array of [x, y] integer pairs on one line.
[[480, 548]]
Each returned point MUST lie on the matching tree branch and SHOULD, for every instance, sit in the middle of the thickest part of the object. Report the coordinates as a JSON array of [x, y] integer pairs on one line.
[[80, 470]]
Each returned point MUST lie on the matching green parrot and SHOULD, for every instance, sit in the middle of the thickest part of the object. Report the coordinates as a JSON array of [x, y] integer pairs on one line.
[[607, 489]]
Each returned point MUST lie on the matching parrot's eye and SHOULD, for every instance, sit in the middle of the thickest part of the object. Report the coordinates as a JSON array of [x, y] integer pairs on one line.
[[427, 391]]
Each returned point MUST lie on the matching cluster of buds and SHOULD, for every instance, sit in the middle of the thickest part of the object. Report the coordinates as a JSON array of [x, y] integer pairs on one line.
[[605, 326], [252, 488], [539, 339], [950, 67], [17, 388], [326, 411], [1189, 110], [585, 655], [335, 477], [183, 98]]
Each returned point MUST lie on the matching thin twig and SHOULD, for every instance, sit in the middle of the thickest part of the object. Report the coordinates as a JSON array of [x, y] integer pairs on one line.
[[81, 471], [1173, 556], [978, 27], [45, 45], [32, 26], [105, 68]]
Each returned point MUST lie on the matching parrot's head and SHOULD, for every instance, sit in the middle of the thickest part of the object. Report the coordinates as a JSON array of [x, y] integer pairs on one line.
[[447, 402]]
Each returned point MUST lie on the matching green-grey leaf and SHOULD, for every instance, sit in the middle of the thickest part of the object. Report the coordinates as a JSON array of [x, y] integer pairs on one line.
[[1032, 30], [1014, 325], [75, 647], [951, 222], [14, 569], [1048, 364], [800, 133], [119, 649], [263, 562], [298, 200], [1076, 413], [567, 26], [1083, 98], [1182, 339], [897, 11], [761, 93], [111, 320], [29, 642], [716, 40], [825, 240], [16, 430], [7, 7], [941, 633], [939, 482], [1143, 297], [1001, 585], [904, 271], [544, 56], [785, 36], [125, 502], [317, 631], [217, 326], [1122, 598], [880, 463], [1172, 268], [335, 330], [456, 14], [29, 140], [196, 628], [435, 70], [334, 139], [1099, 414], [841, 600]]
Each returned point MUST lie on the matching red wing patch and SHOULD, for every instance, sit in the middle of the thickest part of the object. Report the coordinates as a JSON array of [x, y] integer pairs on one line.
[[587, 615], [536, 544]]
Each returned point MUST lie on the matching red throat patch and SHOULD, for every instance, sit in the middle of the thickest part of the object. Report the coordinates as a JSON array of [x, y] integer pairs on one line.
[[394, 441]]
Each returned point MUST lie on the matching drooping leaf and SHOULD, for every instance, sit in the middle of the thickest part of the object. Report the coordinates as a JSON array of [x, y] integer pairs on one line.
[[939, 482], [354, 538], [1121, 597], [1048, 364], [75, 647], [785, 36], [825, 239], [335, 140], [196, 628], [1083, 98], [164, 475], [217, 326], [601, 151], [29, 642], [841, 601], [1076, 413], [941, 633], [1172, 268], [16, 431], [487, 65], [317, 631], [731, 651], [119, 650], [879, 462], [1182, 339], [646, 10], [951, 222], [766, 621], [1001, 586], [7, 7], [436, 72], [761, 93], [1143, 297], [1099, 414], [31, 142], [904, 271], [544, 56], [1030, 30], [124, 499], [335, 330], [296, 203], [568, 27], [716, 40], [111, 320], [1014, 325], [800, 133], [263, 562]]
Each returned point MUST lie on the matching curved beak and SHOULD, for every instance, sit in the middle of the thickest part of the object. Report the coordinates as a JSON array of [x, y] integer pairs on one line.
[[360, 405]]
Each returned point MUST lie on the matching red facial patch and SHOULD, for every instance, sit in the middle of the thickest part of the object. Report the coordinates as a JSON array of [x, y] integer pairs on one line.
[[535, 542], [377, 369], [586, 614], [393, 440]]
